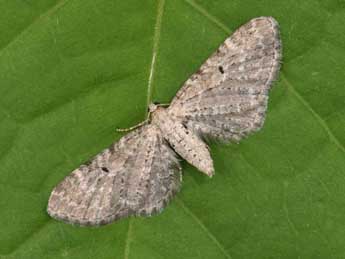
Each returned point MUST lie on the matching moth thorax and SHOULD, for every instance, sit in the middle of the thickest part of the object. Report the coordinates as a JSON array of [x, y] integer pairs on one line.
[[159, 114]]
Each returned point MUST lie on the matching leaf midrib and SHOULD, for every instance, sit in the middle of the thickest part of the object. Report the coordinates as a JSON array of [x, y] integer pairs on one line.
[[156, 39]]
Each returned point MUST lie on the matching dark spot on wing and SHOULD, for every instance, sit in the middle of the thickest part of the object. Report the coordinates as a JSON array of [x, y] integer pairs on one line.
[[104, 169], [221, 70]]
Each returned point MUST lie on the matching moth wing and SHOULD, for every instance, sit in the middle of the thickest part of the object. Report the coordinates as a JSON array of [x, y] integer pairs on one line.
[[138, 175], [227, 98]]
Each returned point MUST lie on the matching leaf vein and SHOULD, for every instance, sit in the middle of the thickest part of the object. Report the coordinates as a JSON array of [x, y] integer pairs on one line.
[[29, 237], [321, 121], [209, 16], [203, 227], [128, 239], [45, 14]]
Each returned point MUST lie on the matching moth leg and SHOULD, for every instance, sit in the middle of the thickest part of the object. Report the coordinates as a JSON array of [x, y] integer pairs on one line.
[[133, 127]]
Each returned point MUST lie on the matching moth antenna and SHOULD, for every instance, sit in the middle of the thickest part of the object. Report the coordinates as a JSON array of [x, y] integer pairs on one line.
[[133, 127]]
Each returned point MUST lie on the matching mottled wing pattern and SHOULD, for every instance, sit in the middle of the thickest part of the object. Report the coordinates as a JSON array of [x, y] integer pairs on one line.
[[136, 176], [227, 98]]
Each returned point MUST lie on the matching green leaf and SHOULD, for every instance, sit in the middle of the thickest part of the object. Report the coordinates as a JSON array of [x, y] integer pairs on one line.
[[71, 71]]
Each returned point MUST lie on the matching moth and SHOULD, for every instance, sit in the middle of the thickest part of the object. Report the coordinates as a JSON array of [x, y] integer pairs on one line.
[[226, 99]]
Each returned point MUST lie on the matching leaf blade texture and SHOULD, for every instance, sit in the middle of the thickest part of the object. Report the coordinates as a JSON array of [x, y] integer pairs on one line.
[[68, 69]]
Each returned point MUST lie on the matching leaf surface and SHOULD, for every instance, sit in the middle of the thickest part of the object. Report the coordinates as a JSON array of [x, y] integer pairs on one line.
[[72, 71]]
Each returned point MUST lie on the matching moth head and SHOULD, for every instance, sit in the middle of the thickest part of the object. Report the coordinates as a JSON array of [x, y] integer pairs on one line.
[[152, 107]]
